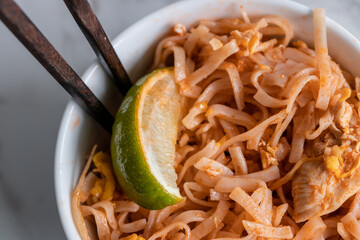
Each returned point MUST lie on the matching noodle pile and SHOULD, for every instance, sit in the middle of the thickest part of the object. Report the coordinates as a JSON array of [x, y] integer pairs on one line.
[[256, 107]]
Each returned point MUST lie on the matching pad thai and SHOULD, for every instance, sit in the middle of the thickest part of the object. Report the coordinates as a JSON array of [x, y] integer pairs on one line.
[[267, 142]]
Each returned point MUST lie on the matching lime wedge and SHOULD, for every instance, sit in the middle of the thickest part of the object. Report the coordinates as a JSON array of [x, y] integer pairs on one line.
[[143, 141]]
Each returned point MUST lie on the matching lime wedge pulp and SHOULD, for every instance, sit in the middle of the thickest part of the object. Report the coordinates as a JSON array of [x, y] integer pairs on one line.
[[143, 141]]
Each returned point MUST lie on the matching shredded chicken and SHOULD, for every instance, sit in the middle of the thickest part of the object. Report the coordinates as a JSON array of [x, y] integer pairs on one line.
[[343, 113], [320, 187]]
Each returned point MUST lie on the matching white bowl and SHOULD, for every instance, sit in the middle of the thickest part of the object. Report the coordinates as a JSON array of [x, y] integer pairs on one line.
[[78, 132]]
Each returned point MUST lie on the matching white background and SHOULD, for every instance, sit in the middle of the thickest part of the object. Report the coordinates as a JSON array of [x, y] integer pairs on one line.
[[32, 103]]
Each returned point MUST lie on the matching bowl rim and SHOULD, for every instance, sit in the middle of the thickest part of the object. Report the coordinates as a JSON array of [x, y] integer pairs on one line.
[[86, 76]]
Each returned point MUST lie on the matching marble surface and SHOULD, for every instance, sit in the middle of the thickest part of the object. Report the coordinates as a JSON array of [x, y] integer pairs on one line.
[[32, 103]]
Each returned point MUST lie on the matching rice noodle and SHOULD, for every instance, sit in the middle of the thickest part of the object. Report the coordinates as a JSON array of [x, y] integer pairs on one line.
[[324, 122], [245, 201], [134, 226], [126, 206], [102, 226], [211, 223], [179, 63], [166, 212], [257, 108], [351, 224], [265, 175], [261, 230], [298, 56], [231, 115], [212, 167], [296, 89], [170, 227], [236, 83], [312, 228], [279, 213], [279, 132], [191, 216], [151, 221], [343, 232], [323, 59], [190, 44], [268, 101], [355, 206], [75, 201], [228, 184], [238, 160], [284, 25], [109, 211], [161, 46], [208, 151], [254, 131], [89, 182], [198, 187], [213, 63], [115, 235], [244, 14]]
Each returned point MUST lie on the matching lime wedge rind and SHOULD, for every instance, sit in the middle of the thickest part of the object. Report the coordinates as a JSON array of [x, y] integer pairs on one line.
[[142, 160]]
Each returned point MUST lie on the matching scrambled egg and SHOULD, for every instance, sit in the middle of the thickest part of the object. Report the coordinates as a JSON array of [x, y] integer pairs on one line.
[[271, 150], [98, 188], [345, 94], [334, 162], [132, 237], [104, 187], [300, 44], [253, 43]]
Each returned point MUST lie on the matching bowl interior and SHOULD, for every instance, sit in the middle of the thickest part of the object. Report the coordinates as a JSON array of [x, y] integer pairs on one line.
[[135, 47]]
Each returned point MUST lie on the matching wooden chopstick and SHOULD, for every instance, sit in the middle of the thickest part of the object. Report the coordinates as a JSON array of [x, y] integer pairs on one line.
[[31, 37], [96, 36]]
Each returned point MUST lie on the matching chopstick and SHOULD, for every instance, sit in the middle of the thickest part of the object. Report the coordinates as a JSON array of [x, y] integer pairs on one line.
[[37, 44], [96, 36]]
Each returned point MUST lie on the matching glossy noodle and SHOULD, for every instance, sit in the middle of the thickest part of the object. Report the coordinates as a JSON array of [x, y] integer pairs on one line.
[[267, 143]]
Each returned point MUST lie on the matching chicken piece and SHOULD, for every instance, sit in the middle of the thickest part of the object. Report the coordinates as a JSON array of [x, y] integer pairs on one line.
[[179, 29], [329, 140], [317, 191], [343, 113]]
